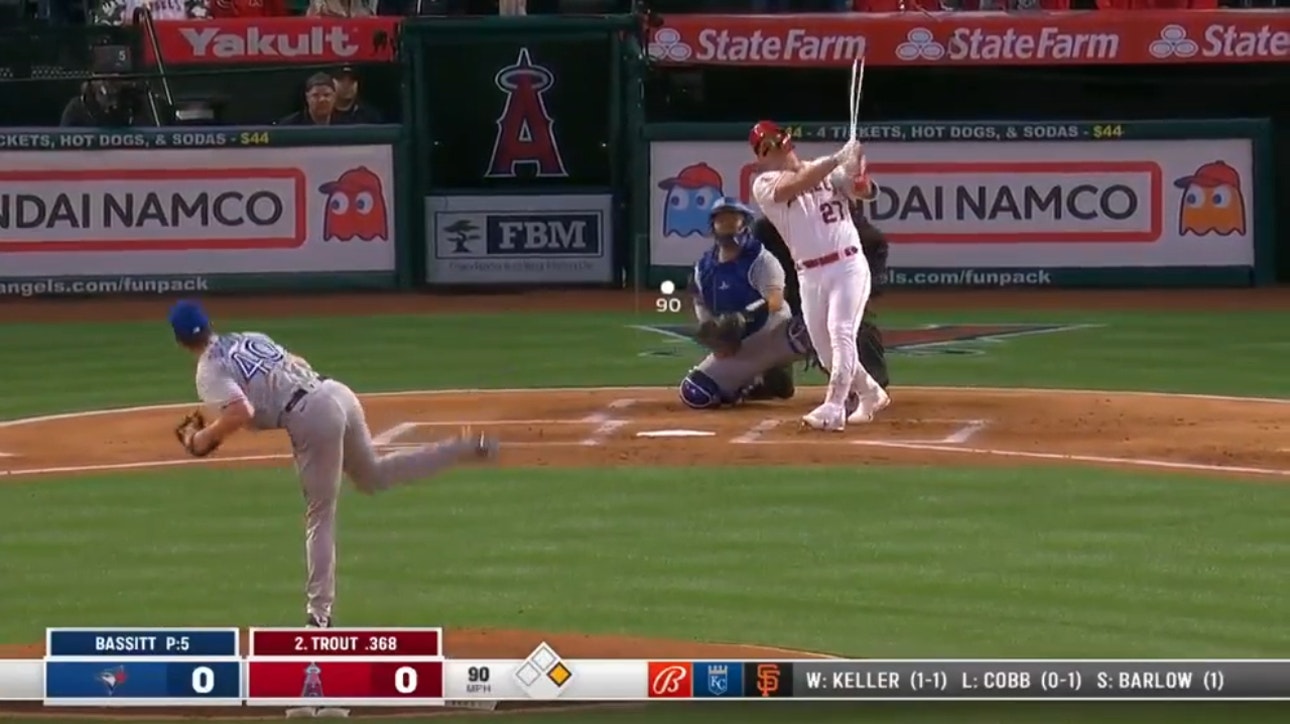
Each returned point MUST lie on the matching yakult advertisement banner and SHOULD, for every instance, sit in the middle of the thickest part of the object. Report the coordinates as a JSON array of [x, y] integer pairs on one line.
[[1032, 205], [196, 212]]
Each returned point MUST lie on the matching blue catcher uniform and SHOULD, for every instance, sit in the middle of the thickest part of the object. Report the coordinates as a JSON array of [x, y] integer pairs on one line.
[[770, 340]]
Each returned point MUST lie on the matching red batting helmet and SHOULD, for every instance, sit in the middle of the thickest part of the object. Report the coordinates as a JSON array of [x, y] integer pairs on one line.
[[767, 135]]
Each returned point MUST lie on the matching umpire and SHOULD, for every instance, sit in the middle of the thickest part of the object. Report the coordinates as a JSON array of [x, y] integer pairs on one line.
[[873, 355]]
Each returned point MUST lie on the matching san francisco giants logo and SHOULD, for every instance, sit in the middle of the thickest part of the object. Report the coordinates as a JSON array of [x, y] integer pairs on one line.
[[767, 679], [669, 680]]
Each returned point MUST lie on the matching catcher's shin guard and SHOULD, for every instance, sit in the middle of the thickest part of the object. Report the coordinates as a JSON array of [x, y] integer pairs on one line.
[[776, 384], [873, 355]]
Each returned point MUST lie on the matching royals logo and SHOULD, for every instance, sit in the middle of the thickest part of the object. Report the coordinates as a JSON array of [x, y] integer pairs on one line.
[[525, 131]]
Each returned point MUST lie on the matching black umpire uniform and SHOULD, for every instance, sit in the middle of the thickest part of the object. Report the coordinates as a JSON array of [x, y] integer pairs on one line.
[[873, 355]]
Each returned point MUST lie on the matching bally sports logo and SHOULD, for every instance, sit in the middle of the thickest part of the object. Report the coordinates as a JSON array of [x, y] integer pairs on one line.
[[671, 679], [121, 210]]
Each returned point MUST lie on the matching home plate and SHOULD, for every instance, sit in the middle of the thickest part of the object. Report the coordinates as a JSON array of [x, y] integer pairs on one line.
[[675, 433]]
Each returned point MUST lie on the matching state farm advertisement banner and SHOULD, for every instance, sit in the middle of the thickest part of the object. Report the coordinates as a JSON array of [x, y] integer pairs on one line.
[[895, 39], [317, 209], [275, 40], [1001, 205]]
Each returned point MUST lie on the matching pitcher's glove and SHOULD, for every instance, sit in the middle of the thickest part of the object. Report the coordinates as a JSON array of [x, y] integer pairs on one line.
[[193, 423], [723, 335]]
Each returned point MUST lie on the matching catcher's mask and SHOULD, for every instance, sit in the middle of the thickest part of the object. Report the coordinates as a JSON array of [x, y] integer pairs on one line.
[[767, 136], [729, 218]]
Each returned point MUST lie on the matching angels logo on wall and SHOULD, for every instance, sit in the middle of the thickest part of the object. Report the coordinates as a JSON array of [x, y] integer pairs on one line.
[[526, 136]]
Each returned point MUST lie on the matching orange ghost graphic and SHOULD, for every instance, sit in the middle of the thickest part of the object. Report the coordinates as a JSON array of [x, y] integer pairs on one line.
[[355, 207], [1212, 201]]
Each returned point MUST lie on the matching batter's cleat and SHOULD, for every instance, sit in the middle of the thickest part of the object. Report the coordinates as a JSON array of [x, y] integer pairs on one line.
[[827, 418], [316, 621], [870, 407], [482, 445]]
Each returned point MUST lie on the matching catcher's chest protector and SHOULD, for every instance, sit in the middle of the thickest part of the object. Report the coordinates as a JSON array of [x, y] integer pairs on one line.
[[724, 286]]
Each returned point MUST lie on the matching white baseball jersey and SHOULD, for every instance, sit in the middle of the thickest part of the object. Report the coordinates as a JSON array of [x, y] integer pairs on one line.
[[814, 224], [253, 367]]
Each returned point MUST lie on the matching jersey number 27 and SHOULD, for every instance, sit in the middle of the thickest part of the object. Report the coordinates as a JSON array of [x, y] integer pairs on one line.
[[256, 356], [833, 211]]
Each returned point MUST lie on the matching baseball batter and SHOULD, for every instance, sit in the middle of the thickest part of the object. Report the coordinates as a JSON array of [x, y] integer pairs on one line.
[[254, 382], [738, 290], [809, 203]]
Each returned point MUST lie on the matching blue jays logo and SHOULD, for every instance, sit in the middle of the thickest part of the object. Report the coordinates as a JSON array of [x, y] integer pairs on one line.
[[690, 196], [718, 680], [112, 678]]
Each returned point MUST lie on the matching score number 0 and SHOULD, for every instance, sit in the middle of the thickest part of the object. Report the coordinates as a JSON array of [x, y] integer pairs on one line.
[[203, 680]]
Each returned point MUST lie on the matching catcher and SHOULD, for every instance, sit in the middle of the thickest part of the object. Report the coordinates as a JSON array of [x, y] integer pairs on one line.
[[869, 344], [738, 290]]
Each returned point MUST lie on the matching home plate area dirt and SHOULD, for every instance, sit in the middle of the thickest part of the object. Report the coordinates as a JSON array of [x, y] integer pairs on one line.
[[612, 427]]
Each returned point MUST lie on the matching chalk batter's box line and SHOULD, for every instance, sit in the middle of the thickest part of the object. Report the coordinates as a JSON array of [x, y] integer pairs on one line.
[[959, 436]]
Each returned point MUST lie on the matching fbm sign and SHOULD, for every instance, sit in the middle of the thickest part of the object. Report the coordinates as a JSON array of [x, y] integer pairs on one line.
[[564, 234], [527, 239]]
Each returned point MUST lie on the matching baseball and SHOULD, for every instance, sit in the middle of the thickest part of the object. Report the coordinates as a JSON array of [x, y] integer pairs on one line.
[[667, 288]]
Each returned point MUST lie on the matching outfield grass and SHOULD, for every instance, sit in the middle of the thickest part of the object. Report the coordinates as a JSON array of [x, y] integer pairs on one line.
[[867, 561]]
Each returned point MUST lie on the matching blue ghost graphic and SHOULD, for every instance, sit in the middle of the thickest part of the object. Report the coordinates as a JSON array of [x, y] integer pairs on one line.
[[688, 210], [690, 196]]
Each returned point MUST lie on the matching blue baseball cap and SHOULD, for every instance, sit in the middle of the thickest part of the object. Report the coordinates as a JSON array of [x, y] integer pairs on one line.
[[189, 320]]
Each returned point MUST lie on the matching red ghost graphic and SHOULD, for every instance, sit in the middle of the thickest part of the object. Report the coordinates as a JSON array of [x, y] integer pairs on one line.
[[355, 207]]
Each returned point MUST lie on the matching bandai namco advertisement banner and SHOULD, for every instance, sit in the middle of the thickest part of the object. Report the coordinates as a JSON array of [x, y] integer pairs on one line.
[[171, 211], [1021, 204]]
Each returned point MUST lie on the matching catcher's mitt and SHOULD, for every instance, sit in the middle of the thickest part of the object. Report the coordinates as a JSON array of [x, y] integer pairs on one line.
[[722, 335], [188, 428]]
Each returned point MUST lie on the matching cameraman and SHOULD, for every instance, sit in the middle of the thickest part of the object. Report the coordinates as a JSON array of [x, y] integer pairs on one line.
[[108, 103]]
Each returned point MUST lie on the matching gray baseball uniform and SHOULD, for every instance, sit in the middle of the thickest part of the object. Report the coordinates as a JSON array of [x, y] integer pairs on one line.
[[782, 340], [329, 435]]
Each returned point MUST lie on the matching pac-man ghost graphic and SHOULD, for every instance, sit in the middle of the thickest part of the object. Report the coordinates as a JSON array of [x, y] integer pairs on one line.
[[690, 196], [1212, 202], [355, 207]]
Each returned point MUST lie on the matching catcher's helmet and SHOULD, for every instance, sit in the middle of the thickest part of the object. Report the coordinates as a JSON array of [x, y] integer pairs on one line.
[[730, 203]]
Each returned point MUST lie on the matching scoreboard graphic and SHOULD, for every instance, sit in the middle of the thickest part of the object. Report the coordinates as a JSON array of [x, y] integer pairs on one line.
[[407, 667]]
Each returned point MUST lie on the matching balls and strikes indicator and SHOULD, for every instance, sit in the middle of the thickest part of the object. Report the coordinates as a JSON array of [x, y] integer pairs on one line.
[[130, 680], [348, 680]]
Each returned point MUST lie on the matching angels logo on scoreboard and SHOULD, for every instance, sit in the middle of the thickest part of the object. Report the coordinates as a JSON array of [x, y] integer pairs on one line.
[[313, 681]]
